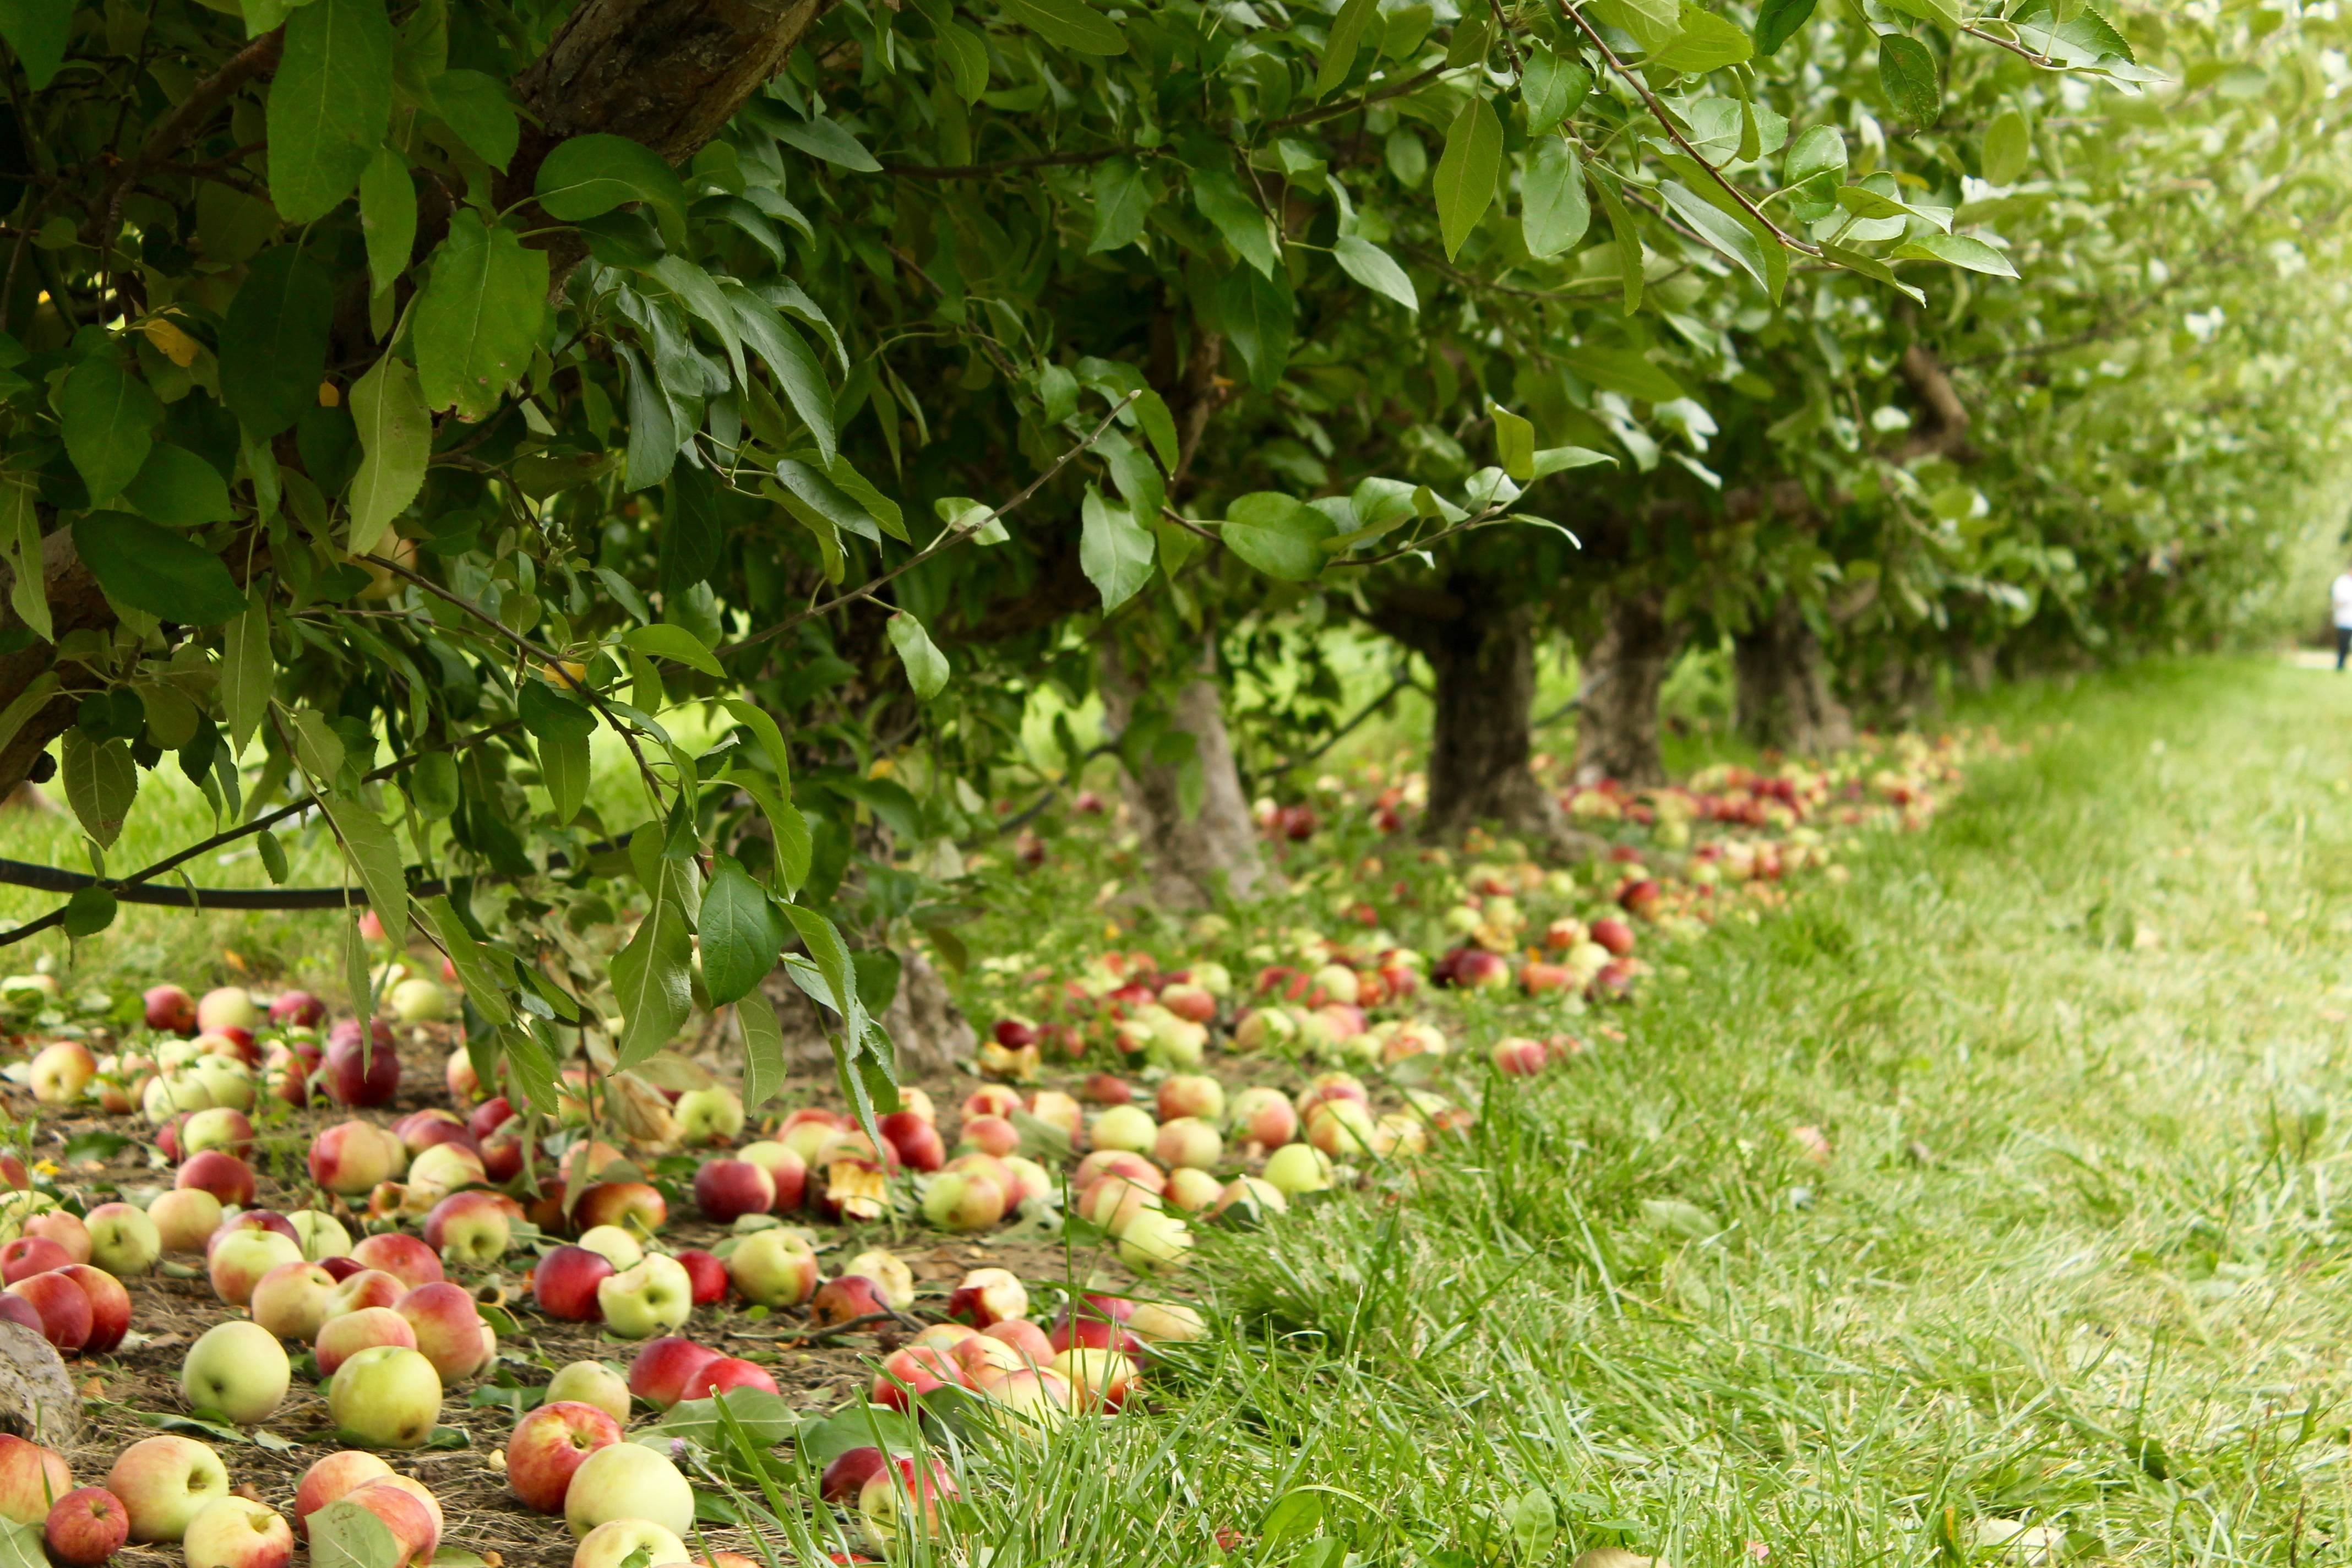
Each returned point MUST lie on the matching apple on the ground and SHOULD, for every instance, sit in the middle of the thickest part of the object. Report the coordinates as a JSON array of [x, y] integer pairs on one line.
[[330, 1479], [63, 1307], [650, 1299], [184, 1218], [613, 1245], [164, 1482], [109, 1307], [124, 1239], [550, 1445], [60, 1072], [566, 1282], [32, 1478], [448, 1326], [618, 1541], [591, 1382], [387, 1397], [360, 1289], [237, 1532], [628, 1480], [989, 1295], [241, 1257], [403, 1256], [87, 1526], [370, 1328], [472, 1227], [772, 1269], [662, 1369], [706, 1274]]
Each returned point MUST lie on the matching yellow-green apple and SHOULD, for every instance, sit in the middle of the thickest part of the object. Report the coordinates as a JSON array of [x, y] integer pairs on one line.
[[706, 1274], [709, 1116], [635, 1206], [650, 1299], [350, 1157], [60, 1072], [902, 1500], [786, 1169], [228, 1007], [1030, 1180], [221, 1173], [726, 1190], [963, 1201], [87, 1526], [772, 1269], [30, 1255], [1191, 1094], [661, 1371], [387, 1395], [184, 1218], [1099, 1379], [983, 1360], [225, 1082], [124, 1239], [591, 1382], [109, 1307], [1400, 1134], [1296, 1168], [164, 1482], [237, 1532], [239, 1369], [613, 1245], [1187, 1140], [171, 1094], [291, 1299], [1266, 1029], [891, 1276], [564, 1283], [805, 1131], [448, 1326], [331, 1480], [619, 1541], [242, 1256], [1341, 1127], [1166, 1322], [362, 1066], [63, 1307], [473, 1227], [403, 1256], [989, 1295], [419, 999], [1191, 1189], [628, 1480], [1125, 1127], [1060, 1111], [220, 1127], [1249, 1199], [1263, 1116], [322, 1236], [550, 1445], [915, 1139], [371, 1328], [1113, 1204], [362, 1289], [443, 1168], [32, 1480], [170, 1009], [1155, 1242]]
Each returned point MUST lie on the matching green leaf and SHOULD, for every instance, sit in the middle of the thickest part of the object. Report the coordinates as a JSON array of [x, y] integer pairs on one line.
[[786, 825], [1535, 1524], [1554, 211], [2008, 144], [38, 31], [1820, 151], [1721, 230], [1123, 200], [1218, 194], [1339, 50], [1376, 270], [395, 440], [701, 297], [475, 105], [741, 934], [345, 1535], [1515, 444], [375, 852], [1776, 22], [790, 359], [551, 714], [20, 551], [485, 988], [273, 347], [1178, 545], [1114, 550], [480, 315], [330, 104], [1552, 87], [1870, 266], [765, 730], [179, 490], [107, 416], [1624, 371], [101, 782], [1959, 250], [1907, 71], [652, 983], [927, 666], [1466, 171], [245, 674], [821, 498], [1559, 459], [149, 568], [825, 138], [1278, 535], [1260, 318], [1629, 241], [588, 176], [1653, 23], [764, 1072], [1707, 43], [1072, 24], [662, 640], [1158, 426], [565, 768]]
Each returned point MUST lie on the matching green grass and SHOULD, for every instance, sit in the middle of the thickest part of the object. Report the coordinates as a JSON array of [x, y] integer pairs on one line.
[[2078, 1261]]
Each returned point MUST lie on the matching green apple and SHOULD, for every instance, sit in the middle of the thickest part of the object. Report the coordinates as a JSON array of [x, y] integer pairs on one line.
[[237, 1368], [123, 1240], [653, 1297], [322, 1235], [613, 1245], [628, 1480], [592, 1383], [614, 1541], [386, 1395]]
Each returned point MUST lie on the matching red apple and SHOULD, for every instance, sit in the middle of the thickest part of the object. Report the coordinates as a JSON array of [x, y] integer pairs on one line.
[[219, 1173], [109, 1307], [1613, 934], [489, 1116], [549, 1445], [564, 1283], [706, 1273], [448, 1329], [726, 1190], [297, 1008], [619, 1203], [404, 1257], [331, 1480], [851, 1295], [916, 1140], [665, 1369], [30, 1255], [1107, 1089], [362, 1066], [724, 1372], [845, 1476], [64, 1309], [170, 1009], [87, 1526]]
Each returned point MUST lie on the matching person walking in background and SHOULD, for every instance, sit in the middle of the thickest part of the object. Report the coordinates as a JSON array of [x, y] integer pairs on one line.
[[2341, 595]]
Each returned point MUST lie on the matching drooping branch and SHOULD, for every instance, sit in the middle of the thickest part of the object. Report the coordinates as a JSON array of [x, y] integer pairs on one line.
[[1944, 432]]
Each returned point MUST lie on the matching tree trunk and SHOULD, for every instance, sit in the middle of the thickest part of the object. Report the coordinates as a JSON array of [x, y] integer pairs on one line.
[[1193, 856], [669, 73], [1484, 662], [1617, 729], [1782, 686]]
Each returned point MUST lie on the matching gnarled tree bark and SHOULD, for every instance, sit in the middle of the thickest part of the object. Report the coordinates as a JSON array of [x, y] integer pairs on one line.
[[1625, 669], [1782, 686], [1194, 855], [669, 73]]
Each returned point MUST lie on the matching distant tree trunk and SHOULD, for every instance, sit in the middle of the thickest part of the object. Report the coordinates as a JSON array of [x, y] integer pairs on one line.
[[1193, 856], [1617, 727], [1485, 666], [1782, 688]]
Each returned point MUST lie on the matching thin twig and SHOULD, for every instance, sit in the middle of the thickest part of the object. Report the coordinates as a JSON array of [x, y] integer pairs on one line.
[[984, 171], [1333, 110]]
